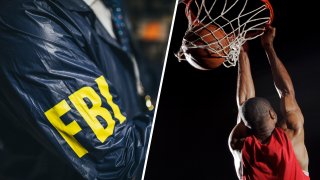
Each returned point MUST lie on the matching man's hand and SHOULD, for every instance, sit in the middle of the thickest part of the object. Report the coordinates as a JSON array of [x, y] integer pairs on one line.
[[268, 37]]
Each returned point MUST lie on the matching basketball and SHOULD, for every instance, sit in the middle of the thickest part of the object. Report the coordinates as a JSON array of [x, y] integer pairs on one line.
[[206, 46]]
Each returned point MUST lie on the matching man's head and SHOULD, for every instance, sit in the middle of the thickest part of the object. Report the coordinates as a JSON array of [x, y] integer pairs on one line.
[[259, 115]]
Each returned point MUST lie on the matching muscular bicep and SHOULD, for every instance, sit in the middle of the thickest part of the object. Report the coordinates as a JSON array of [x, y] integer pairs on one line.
[[292, 115]]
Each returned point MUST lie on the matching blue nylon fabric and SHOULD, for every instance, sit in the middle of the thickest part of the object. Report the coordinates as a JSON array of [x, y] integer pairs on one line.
[[49, 49]]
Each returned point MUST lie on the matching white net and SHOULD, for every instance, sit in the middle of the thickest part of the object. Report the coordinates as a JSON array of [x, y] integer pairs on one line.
[[240, 20]]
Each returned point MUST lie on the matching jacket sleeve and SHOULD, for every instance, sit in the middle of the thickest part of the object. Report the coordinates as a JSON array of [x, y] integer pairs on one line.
[[50, 84]]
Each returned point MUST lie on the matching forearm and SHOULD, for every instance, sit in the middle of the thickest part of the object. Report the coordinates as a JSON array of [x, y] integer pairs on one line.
[[288, 105], [280, 74], [245, 86]]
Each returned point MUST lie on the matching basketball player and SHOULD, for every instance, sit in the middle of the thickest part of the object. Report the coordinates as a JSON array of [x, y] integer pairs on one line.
[[262, 146]]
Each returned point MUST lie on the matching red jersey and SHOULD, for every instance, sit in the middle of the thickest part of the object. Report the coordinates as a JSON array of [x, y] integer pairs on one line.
[[271, 161]]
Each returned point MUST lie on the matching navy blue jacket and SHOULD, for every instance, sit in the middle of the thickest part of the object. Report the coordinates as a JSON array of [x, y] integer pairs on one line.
[[67, 83]]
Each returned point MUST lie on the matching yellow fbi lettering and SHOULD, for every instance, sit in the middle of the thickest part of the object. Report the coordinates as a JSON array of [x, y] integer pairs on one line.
[[89, 114]]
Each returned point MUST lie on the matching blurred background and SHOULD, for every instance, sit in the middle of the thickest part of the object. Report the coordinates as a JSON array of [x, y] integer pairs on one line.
[[197, 109], [150, 22]]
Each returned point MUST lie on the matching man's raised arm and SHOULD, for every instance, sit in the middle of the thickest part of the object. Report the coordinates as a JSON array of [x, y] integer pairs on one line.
[[289, 107], [245, 91], [245, 86]]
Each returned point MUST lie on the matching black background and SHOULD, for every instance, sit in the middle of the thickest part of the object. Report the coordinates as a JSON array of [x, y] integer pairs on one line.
[[197, 109]]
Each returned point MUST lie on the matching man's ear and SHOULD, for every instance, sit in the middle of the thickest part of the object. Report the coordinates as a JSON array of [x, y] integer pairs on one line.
[[273, 115]]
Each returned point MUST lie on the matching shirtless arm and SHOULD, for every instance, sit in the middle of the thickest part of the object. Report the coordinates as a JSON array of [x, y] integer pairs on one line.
[[245, 91], [289, 106]]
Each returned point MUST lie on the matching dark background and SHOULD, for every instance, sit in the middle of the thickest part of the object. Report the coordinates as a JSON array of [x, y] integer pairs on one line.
[[197, 109]]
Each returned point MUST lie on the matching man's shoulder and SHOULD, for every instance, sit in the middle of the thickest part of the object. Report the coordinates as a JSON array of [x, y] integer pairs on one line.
[[22, 15], [39, 20], [238, 136], [12, 9]]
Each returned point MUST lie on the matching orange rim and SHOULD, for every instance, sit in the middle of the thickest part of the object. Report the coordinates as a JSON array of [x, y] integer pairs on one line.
[[269, 6], [267, 3]]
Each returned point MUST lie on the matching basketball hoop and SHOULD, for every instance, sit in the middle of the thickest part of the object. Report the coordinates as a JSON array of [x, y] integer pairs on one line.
[[240, 20]]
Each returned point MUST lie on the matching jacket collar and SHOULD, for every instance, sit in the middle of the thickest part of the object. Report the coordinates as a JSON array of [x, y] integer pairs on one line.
[[81, 6]]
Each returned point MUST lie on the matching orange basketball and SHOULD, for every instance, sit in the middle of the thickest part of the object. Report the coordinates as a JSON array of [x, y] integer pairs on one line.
[[206, 46]]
